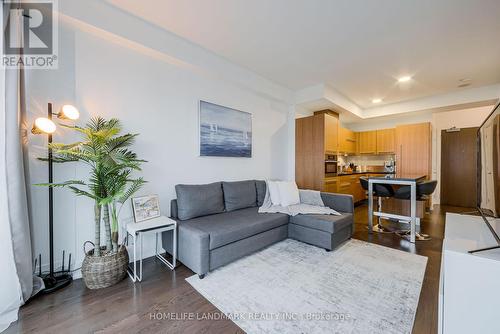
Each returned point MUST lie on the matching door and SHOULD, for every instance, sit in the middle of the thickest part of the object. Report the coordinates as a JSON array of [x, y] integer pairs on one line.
[[459, 167]]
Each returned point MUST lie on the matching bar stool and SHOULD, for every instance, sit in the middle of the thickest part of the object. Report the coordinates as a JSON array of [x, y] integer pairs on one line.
[[424, 190], [381, 191]]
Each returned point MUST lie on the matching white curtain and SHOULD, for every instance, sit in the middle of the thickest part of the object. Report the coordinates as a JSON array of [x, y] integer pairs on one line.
[[16, 279]]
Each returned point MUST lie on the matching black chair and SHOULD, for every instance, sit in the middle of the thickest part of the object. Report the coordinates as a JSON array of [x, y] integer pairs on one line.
[[381, 191], [424, 190]]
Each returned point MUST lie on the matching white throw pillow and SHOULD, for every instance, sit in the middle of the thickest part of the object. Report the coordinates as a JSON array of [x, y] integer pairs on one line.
[[289, 193], [274, 192]]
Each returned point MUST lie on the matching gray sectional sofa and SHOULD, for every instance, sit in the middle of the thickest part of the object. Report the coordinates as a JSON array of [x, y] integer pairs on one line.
[[219, 223]]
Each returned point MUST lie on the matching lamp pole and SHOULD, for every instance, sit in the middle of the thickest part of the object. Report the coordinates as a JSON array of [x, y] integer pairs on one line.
[[51, 198], [53, 281]]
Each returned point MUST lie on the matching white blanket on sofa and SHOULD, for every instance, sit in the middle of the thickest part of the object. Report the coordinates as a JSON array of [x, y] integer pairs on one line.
[[301, 208]]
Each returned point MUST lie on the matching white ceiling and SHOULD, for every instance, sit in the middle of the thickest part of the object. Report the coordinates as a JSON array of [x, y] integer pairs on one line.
[[359, 47]]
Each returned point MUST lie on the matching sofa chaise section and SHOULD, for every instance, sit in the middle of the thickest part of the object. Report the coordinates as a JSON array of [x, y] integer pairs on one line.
[[325, 231]]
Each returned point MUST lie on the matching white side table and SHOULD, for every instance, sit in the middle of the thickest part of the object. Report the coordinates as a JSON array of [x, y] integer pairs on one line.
[[155, 225]]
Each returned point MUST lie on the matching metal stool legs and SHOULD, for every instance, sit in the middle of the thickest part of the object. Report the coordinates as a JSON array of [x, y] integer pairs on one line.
[[379, 228]]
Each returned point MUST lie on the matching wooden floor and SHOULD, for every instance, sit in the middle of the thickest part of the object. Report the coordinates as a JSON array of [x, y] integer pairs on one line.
[[145, 307]]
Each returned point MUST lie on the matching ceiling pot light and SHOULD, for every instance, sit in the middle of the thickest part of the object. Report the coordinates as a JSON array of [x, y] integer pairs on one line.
[[404, 78], [465, 82], [376, 100]]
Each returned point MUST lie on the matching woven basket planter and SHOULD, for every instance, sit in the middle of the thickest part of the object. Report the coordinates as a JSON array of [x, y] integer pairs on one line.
[[102, 271]]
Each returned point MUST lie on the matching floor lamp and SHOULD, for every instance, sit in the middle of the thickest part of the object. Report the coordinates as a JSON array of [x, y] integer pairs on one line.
[[53, 280]]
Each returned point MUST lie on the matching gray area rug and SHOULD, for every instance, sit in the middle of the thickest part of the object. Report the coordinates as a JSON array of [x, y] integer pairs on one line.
[[292, 287]]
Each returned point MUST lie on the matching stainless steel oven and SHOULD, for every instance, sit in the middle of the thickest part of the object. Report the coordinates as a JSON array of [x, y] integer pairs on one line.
[[331, 165]]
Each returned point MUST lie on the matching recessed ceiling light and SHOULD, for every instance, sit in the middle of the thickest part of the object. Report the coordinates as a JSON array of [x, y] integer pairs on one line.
[[376, 100], [465, 82], [404, 79]]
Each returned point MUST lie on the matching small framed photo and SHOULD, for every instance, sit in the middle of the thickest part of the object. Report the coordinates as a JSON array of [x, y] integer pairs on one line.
[[146, 207]]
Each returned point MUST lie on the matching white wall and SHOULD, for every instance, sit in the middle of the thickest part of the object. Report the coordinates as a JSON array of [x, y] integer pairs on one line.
[[390, 121], [153, 93], [465, 118]]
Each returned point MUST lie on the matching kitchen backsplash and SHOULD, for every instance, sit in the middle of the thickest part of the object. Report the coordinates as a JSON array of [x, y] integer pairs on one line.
[[365, 160]]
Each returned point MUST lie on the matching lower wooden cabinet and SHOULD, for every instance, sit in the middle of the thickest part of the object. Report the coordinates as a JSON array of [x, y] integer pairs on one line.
[[330, 185], [356, 190], [346, 184]]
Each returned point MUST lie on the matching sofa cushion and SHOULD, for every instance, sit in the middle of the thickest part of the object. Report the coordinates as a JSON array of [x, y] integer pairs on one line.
[[232, 226], [261, 191], [199, 200], [239, 195], [326, 223]]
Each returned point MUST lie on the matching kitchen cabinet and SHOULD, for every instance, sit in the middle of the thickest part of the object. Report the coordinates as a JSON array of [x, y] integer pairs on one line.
[[330, 124], [344, 186], [315, 136], [357, 191], [413, 149], [385, 141], [367, 142], [347, 141], [350, 185], [331, 185]]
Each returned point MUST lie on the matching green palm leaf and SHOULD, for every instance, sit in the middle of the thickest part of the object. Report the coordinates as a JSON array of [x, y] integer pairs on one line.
[[111, 164]]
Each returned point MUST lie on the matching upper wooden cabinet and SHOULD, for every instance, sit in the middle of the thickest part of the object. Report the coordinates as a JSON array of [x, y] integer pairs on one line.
[[413, 149], [347, 141], [367, 142], [331, 126], [385, 141]]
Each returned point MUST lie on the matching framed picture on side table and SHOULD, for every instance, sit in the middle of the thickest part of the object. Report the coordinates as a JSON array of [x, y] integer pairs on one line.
[[146, 207]]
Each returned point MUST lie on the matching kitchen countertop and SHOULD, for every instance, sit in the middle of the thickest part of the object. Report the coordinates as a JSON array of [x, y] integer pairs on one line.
[[402, 177], [355, 173]]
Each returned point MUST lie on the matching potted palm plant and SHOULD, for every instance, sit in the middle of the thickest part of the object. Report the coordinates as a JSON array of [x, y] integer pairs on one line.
[[111, 164]]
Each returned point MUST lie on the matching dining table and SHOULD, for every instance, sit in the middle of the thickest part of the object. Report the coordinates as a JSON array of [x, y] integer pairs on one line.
[[401, 180]]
